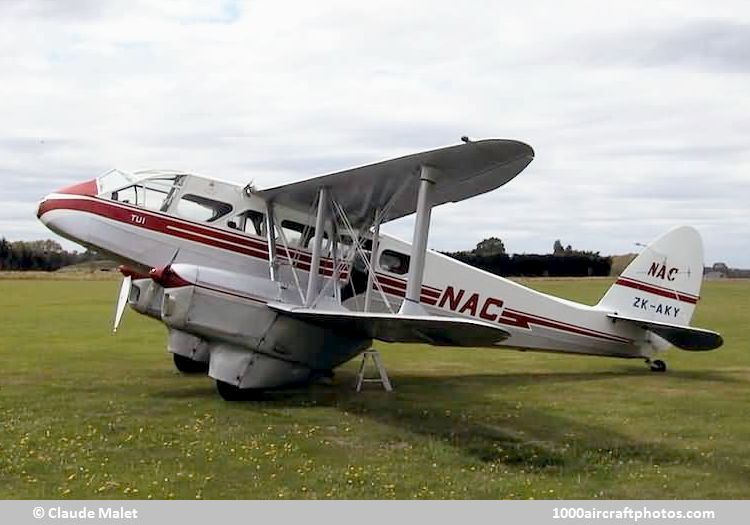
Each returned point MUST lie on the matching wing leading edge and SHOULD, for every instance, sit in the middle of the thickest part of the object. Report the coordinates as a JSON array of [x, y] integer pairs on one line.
[[462, 172], [433, 330]]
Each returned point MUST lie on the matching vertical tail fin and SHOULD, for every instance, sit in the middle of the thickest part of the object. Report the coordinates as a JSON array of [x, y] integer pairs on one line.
[[663, 283]]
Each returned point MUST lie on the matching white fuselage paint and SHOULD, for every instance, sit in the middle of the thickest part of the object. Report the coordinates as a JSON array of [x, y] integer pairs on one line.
[[536, 321]]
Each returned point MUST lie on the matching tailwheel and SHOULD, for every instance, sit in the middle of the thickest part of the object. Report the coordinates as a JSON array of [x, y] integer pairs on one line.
[[229, 392], [189, 366], [657, 365]]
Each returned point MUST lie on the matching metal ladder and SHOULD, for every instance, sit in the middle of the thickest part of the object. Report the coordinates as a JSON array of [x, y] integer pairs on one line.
[[382, 378]]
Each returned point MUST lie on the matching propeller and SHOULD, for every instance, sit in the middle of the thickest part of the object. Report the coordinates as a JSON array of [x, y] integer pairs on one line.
[[122, 300], [127, 284]]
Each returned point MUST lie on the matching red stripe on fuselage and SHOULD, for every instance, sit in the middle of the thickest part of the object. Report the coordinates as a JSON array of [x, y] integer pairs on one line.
[[523, 320], [401, 294], [657, 290], [398, 284], [162, 223]]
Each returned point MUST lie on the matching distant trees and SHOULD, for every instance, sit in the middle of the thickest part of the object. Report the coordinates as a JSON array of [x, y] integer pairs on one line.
[[558, 250], [490, 255], [44, 255], [720, 267], [491, 246]]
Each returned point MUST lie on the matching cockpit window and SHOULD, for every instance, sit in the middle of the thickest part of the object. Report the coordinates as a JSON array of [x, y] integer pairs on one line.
[[200, 208], [113, 180], [155, 193]]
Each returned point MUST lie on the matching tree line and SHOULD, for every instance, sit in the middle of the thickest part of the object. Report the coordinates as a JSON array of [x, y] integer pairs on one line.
[[46, 255], [490, 255]]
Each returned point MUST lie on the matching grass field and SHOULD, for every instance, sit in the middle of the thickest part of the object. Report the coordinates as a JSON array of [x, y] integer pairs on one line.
[[84, 414]]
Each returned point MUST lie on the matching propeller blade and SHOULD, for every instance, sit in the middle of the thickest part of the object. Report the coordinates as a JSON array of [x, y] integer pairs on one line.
[[122, 301], [174, 257]]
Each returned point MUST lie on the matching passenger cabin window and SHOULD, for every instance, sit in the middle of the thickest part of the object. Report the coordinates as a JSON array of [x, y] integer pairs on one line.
[[346, 245], [249, 221], [297, 234], [394, 262], [201, 209]]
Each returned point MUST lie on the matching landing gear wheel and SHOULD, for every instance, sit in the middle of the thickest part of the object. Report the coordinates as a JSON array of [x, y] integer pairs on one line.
[[229, 392], [189, 366], [657, 365], [322, 377]]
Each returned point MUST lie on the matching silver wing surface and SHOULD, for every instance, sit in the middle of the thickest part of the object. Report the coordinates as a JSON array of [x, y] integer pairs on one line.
[[433, 330], [461, 171], [683, 337]]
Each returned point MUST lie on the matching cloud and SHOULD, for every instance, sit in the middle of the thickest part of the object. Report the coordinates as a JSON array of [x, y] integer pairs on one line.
[[54, 10], [637, 112], [712, 44]]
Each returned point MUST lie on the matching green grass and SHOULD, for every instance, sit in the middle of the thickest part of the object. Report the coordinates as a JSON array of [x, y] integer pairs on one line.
[[84, 414]]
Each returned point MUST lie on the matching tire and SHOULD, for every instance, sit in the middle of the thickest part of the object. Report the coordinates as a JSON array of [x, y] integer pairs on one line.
[[658, 366], [189, 366]]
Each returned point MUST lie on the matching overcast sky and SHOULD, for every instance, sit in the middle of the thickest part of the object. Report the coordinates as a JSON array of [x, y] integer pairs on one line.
[[639, 111]]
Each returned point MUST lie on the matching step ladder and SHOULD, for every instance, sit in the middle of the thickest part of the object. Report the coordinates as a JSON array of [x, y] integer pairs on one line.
[[382, 378]]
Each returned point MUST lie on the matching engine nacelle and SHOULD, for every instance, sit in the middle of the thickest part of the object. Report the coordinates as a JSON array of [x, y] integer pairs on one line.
[[250, 345], [146, 297]]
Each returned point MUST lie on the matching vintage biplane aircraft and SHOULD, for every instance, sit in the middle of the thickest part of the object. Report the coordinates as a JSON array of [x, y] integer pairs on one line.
[[267, 288]]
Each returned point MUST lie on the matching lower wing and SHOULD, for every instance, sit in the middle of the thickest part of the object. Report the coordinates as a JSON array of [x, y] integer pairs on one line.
[[433, 330]]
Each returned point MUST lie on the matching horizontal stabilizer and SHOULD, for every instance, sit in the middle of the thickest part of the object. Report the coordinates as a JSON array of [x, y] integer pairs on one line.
[[433, 330], [683, 337]]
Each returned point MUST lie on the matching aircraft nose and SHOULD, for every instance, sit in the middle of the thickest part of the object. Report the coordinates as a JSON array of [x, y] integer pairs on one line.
[[41, 207], [88, 188], [60, 212]]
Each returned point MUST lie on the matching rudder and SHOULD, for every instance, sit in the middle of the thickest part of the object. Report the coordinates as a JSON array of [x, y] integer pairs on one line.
[[663, 282]]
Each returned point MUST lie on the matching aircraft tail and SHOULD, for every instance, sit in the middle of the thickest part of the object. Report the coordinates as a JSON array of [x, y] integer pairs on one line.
[[663, 282]]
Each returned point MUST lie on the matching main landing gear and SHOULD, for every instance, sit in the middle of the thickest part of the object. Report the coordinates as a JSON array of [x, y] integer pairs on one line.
[[657, 365], [189, 366]]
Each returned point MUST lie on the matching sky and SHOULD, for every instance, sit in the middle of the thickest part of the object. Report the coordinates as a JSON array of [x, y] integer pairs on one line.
[[638, 111]]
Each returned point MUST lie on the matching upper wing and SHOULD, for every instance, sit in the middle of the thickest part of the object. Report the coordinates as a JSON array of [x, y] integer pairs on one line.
[[462, 172], [683, 337], [433, 330]]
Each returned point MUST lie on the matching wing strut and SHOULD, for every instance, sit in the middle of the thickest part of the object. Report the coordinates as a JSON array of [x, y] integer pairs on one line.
[[368, 261], [419, 242], [320, 223], [273, 265], [373, 252]]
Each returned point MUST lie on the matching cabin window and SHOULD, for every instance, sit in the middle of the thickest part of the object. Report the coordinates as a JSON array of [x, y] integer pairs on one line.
[[249, 221], [346, 245], [201, 209], [297, 234], [394, 262]]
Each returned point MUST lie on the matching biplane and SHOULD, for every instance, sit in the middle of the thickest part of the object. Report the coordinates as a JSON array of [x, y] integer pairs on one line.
[[264, 288]]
